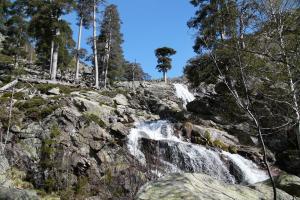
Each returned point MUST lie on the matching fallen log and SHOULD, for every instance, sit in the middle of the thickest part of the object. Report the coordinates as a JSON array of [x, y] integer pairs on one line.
[[43, 81], [9, 85]]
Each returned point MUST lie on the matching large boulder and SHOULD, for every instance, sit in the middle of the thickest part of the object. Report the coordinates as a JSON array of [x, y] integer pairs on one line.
[[120, 99], [289, 184], [17, 194], [290, 161], [202, 187]]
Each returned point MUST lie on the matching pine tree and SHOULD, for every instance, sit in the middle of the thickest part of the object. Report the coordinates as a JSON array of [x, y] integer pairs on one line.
[[164, 61], [215, 20], [109, 43], [16, 34], [4, 13], [84, 9], [49, 30]]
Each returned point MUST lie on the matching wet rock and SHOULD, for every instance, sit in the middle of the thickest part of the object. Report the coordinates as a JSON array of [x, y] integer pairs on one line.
[[289, 184], [200, 186], [290, 161], [215, 134], [119, 130], [199, 107]]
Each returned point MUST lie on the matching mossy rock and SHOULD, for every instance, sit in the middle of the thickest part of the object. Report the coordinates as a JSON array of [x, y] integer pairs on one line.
[[89, 117]]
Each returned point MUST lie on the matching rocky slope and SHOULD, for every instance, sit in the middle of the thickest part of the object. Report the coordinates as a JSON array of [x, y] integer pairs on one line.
[[72, 143]]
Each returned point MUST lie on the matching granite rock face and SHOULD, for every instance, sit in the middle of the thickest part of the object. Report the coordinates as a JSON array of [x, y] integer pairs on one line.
[[203, 187]]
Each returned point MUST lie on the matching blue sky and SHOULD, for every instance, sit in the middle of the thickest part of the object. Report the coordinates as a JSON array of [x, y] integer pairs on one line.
[[148, 25]]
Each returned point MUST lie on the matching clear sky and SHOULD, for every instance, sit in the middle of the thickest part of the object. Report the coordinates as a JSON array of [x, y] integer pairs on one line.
[[149, 24]]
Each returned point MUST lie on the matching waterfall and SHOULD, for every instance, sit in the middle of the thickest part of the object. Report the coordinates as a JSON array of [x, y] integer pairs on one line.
[[153, 142], [183, 93]]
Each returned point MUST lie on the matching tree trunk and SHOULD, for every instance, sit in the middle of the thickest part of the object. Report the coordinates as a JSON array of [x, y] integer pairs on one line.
[[107, 56], [51, 56], [165, 76], [95, 47], [242, 25], [78, 49], [55, 60], [106, 72]]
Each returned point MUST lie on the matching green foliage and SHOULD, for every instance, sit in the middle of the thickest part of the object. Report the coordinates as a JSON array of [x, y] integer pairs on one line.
[[163, 55], [134, 71], [94, 118], [200, 69], [113, 93], [16, 118], [219, 144], [81, 188], [31, 103], [207, 137], [36, 108], [44, 88], [111, 36], [55, 131], [5, 59], [44, 24], [50, 184], [18, 178], [233, 149], [14, 43], [17, 95]]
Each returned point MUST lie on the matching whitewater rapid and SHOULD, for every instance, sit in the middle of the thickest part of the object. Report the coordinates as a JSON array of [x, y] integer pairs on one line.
[[183, 93], [179, 156]]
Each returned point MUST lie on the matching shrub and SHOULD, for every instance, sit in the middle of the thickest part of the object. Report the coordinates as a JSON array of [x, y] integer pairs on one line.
[[81, 188], [232, 149], [219, 144], [93, 118]]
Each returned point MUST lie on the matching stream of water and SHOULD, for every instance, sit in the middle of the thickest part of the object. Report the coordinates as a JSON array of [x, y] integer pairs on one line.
[[176, 155]]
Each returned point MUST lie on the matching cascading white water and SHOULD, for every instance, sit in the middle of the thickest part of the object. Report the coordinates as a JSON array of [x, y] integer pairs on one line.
[[178, 155], [250, 172], [183, 93]]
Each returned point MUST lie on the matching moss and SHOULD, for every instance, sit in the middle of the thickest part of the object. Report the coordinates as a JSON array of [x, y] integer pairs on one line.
[[4, 59], [55, 131], [17, 95], [18, 178], [36, 108], [67, 194], [219, 144], [81, 188], [108, 176], [31, 103], [233, 149], [44, 88], [94, 118], [50, 184], [207, 137], [19, 71], [16, 117], [113, 93]]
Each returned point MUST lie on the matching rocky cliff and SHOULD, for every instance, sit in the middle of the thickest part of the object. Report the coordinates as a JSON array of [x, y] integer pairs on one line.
[[69, 142]]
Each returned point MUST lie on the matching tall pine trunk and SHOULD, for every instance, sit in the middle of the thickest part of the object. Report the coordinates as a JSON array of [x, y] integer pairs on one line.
[[107, 57], [51, 57], [95, 47], [165, 76], [55, 60], [78, 49]]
